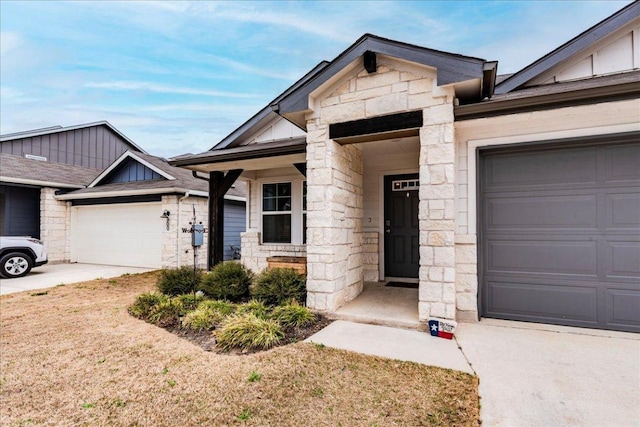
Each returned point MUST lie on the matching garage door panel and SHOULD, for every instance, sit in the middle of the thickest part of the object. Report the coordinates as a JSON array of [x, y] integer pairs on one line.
[[623, 210], [118, 234], [543, 212], [623, 307], [560, 236], [623, 260], [623, 163], [543, 257], [533, 300], [557, 168]]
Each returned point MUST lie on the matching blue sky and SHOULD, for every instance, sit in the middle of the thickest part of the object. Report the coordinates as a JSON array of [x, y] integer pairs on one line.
[[177, 77]]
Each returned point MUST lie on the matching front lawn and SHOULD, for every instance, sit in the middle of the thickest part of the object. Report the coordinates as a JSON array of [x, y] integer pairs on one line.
[[74, 356]]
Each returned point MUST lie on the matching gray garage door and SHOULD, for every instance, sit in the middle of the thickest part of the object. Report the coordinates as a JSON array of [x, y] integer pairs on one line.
[[560, 241]]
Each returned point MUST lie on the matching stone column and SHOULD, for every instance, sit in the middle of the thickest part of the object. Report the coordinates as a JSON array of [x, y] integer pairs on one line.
[[437, 214], [334, 220]]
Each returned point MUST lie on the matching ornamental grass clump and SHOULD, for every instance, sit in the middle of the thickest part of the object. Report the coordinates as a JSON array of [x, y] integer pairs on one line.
[[166, 313], [189, 302], [255, 307], [293, 315], [227, 280], [247, 332], [207, 316], [177, 281], [275, 286], [145, 304]]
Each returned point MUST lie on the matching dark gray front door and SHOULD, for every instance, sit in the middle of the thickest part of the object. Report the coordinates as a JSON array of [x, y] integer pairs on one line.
[[401, 251], [560, 237]]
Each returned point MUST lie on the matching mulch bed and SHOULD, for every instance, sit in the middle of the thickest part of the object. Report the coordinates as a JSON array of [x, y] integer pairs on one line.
[[207, 341]]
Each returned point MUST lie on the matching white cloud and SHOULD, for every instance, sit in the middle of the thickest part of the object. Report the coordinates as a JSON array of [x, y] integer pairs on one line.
[[9, 40]]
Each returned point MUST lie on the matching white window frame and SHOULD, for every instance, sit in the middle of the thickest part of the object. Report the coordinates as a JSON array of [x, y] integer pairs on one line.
[[295, 212]]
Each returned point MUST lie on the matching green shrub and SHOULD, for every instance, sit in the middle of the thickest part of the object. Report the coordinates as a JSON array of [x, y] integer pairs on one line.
[[166, 313], [227, 280], [189, 302], [208, 315], [293, 315], [275, 286], [247, 331], [146, 303], [177, 281], [255, 307]]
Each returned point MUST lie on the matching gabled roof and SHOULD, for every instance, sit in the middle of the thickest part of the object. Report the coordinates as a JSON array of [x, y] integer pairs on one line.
[[20, 170], [451, 68], [129, 155], [58, 129], [175, 180], [573, 46]]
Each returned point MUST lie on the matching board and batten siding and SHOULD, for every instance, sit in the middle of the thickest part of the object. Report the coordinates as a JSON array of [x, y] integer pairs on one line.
[[93, 147], [234, 224]]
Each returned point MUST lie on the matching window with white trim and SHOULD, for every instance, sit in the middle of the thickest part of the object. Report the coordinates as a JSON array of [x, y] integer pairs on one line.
[[284, 212]]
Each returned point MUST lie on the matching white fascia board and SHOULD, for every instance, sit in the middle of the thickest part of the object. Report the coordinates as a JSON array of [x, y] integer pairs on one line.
[[235, 198], [37, 182], [123, 193], [122, 158]]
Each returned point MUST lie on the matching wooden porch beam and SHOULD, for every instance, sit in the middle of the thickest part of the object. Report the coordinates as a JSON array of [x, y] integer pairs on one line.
[[219, 184]]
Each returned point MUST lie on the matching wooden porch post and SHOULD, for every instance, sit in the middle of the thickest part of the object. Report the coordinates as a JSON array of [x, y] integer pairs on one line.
[[219, 184]]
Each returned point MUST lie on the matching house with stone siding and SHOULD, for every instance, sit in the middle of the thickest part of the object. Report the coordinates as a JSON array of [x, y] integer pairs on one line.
[[514, 197]]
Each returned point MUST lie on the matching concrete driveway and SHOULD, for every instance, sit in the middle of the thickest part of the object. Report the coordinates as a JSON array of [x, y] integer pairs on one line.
[[541, 375], [50, 275]]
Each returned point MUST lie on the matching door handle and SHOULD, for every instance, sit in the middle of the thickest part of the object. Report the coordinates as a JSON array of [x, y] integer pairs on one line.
[[387, 231]]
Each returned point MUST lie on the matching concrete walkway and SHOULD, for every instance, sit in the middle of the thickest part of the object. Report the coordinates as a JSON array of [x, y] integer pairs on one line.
[[400, 344], [50, 275], [530, 374]]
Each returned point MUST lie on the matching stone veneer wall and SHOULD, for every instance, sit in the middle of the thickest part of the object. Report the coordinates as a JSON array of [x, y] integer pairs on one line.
[[254, 254], [55, 223], [334, 219], [437, 210], [176, 245], [371, 256]]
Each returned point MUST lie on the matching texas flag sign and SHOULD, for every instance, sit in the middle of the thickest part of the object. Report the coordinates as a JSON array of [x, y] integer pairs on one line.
[[442, 328]]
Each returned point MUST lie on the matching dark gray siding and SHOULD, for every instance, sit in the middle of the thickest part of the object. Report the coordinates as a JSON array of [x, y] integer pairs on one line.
[[234, 224], [131, 171], [19, 211], [93, 147], [561, 235]]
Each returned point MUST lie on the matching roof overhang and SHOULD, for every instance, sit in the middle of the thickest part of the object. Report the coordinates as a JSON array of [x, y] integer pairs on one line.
[[249, 157], [570, 48], [601, 89], [450, 69], [38, 183]]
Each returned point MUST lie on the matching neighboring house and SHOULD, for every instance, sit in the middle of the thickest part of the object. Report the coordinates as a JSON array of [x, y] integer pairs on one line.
[[93, 196], [515, 197]]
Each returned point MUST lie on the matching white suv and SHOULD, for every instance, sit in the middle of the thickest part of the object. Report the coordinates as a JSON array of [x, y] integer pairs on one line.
[[18, 255]]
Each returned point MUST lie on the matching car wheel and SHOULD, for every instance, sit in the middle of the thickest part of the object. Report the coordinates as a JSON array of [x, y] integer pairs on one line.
[[15, 264]]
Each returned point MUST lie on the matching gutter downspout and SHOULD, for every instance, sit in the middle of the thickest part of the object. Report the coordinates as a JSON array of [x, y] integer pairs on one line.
[[186, 195]]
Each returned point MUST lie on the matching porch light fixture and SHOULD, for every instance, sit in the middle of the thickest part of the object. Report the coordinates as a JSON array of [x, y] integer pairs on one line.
[[165, 215]]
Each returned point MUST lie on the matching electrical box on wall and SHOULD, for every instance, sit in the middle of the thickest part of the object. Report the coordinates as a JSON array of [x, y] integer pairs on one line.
[[197, 237]]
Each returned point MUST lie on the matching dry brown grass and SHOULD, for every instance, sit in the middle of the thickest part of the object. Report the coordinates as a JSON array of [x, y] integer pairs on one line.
[[76, 357]]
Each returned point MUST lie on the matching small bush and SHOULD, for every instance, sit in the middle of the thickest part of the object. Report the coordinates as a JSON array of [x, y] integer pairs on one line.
[[293, 315], [177, 281], [227, 280], [166, 313], [247, 331], [275, 286], [146, 303], [255, 307], [189, 302], [208, 315]]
